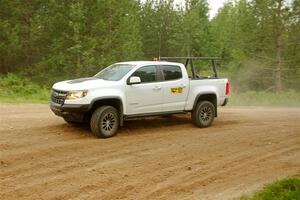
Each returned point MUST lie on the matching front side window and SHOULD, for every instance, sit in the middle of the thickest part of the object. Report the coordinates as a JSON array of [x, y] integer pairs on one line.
[[171, 72], [114, 72], [147, 74]]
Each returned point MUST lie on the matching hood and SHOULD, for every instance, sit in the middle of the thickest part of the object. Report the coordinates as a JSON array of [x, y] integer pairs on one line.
[[82, 84]]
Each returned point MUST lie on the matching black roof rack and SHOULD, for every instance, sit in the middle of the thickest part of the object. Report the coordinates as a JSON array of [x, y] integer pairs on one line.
[[190, 57], [189, 60]]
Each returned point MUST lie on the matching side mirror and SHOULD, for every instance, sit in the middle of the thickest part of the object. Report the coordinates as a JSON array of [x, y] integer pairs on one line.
[[134, 80]]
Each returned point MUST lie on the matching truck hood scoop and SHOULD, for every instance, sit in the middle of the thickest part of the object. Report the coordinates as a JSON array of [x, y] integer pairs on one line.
[[81, 80], [83, 84]]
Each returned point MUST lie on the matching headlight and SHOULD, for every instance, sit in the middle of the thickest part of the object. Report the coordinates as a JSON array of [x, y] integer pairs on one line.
[[76, 94]]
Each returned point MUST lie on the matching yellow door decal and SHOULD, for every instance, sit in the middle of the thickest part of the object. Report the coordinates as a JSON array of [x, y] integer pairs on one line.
[[176, 90]]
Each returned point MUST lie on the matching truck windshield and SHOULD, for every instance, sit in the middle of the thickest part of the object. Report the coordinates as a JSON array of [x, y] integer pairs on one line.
[[114, 72]]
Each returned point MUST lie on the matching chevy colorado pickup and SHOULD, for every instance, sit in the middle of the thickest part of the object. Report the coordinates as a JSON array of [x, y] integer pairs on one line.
[[128, 90]]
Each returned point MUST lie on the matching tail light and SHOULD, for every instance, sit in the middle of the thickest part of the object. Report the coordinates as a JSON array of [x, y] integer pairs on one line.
[[227, 88]]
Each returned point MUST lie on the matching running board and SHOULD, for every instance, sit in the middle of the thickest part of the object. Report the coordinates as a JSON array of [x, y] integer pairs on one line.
[[153, 114]]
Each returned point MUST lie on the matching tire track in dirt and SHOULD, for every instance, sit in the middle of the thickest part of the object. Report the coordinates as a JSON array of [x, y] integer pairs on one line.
[[187, 180], [120, 191], [173, 180], [155, 158]]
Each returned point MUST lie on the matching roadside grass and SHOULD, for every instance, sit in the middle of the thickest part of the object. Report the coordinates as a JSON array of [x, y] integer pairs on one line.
[[286, 189], [252, 98], [15, 89]]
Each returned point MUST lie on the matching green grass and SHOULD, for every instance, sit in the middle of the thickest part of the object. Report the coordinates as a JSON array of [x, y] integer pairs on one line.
[[286, 189], [253, 98], [14, 89]]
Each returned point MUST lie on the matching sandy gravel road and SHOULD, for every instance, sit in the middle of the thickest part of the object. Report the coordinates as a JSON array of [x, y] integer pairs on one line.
[[42, 157]]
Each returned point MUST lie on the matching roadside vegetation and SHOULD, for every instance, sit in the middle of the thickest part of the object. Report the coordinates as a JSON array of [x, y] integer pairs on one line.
[[17, 89], [290, 98], [286, 189], [14, 89], [45, 42]]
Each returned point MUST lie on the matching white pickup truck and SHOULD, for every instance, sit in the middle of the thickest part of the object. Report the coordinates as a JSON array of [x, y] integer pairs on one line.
[[128, 90]]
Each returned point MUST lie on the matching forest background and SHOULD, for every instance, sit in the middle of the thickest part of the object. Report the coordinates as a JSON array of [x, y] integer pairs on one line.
[[45, 41]]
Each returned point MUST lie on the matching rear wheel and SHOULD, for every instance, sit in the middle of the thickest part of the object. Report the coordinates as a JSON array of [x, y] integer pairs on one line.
[[105, 121], [204, 113]]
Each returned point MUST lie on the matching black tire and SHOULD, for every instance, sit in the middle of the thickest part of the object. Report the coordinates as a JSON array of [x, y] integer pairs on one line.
[[204, 113], [105, 122]]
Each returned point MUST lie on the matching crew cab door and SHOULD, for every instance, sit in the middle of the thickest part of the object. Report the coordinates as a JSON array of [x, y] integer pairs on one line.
[[175, 88], [145, 97]]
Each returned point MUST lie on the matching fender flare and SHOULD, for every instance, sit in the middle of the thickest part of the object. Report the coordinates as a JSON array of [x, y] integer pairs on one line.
[[120, 109], [207, 93]]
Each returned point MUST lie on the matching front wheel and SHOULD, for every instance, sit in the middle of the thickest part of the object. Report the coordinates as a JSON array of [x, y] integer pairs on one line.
[[105, 121], [204, 113]]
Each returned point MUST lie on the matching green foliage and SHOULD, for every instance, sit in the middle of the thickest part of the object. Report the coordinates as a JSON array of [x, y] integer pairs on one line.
[[53, 40], [194, 34], [159, 24], [255, 38], [48, 41], [286, 189], [14, 88]]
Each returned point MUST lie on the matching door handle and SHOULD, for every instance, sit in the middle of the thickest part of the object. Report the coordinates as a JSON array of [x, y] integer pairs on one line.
[[157, 88], [183, 85]]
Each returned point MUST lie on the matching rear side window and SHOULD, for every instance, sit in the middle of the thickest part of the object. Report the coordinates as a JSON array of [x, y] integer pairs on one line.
[[147, 74], [171, 72]]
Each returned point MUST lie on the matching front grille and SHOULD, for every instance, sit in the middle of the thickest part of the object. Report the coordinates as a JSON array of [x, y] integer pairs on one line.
[[58, 96]]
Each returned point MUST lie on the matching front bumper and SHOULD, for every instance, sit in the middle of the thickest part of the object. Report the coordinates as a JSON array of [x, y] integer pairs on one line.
[[68, 109]]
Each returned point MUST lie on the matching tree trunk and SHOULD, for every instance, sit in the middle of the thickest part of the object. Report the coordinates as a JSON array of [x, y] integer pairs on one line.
[[278, 85], [278, 31]]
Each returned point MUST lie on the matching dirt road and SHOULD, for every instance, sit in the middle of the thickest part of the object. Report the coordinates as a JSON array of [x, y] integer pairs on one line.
[[42, 157]]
